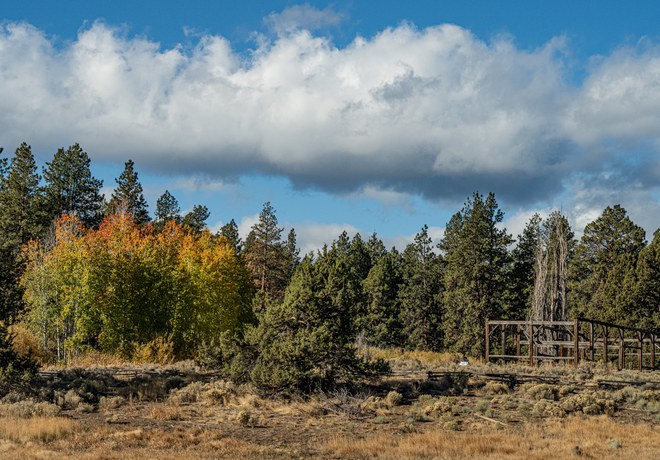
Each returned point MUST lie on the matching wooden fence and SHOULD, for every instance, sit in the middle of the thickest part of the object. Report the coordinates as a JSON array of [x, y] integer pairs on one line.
[[572, 341]]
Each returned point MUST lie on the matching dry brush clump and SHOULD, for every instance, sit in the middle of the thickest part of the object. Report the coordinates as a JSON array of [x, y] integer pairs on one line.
[[37, 428]]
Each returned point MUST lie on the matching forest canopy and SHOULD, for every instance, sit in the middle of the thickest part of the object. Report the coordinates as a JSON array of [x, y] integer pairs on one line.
[[82, 273]]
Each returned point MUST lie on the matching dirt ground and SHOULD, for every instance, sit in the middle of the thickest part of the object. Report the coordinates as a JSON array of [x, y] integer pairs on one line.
[[402, 417]]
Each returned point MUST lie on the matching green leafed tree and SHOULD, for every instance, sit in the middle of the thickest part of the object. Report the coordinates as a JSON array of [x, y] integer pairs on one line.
[[476, 253], [70, 187], [128, 195], [604, 258], [420, 294]]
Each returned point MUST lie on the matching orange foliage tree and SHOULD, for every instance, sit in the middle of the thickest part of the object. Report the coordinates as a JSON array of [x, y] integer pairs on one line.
[[124, 285]]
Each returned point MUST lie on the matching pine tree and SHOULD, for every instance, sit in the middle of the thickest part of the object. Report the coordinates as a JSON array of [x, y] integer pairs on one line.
[[420, 294], [647, 298], [264, 253], [167, 208], [291, 254], [230, 231], [21, 220], [382, 324], [196, 219], [128, 195], [521, 283], [376, 248], [3, 167], [299, 343], [476, 252], [71, 188], [605, 256]]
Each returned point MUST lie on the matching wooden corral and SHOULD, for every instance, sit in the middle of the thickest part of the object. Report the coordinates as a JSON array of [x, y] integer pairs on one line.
[[572, 341]]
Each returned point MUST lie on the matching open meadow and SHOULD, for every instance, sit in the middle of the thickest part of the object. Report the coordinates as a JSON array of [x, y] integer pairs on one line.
[[179, 411]]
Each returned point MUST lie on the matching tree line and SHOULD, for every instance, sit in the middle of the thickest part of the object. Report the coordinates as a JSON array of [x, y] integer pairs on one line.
[[81, 272]]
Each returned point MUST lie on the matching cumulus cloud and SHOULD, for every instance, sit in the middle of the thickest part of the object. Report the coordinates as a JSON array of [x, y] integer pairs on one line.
[[434, 112]]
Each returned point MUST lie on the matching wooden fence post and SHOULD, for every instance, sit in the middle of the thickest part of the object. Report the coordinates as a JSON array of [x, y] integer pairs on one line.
[[640, 350], [652, 352], [576, 342], [605, 339], [487, 342], [531, 343]]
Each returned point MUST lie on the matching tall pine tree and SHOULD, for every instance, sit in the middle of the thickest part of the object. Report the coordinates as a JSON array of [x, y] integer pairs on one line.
[[167, 208], [128, 195], [22, 219], [605, 256], [265, 255], [70, 187], [230, 231], [420, 295], [521, 281], [196, 219], [476, 252]]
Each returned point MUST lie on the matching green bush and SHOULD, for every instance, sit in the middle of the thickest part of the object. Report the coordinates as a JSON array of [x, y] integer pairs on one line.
[[302, 343]]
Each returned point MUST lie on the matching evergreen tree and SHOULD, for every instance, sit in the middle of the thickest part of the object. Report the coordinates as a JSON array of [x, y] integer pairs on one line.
[[3, 167], [647, 298], [167, 208], [265, 255], [605, 256], [521, 283], [21, 220], [230, 231], [196, 219], [71, 188], [376, 248], [128, 195], [342, 270], [420, 294], [299, 343], [382, 324], [475, 276], [292, 254]]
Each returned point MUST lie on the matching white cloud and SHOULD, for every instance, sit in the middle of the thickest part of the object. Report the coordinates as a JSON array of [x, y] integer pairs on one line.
[[515, 223], [304, 16], [433, 112], [246, 223], [199, 183], [387, 197], [311, 236]]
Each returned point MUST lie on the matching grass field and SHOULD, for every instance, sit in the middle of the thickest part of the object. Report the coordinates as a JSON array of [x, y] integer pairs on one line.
[[401, 417]]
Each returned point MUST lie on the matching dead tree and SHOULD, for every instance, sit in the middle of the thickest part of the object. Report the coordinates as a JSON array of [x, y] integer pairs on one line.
[[551, 270]]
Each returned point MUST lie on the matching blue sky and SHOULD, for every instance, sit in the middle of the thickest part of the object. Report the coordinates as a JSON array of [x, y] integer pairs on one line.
[[347, 115]]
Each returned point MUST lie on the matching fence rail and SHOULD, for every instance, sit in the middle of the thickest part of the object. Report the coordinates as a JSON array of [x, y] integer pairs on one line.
[[579, 340]]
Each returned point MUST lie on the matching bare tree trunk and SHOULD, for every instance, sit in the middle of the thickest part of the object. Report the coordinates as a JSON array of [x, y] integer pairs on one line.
[[551, 268]]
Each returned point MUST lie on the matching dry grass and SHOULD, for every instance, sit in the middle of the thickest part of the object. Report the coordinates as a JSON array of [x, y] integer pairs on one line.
[[43, 429], [577, 437], [423, 357], [405, 417]]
